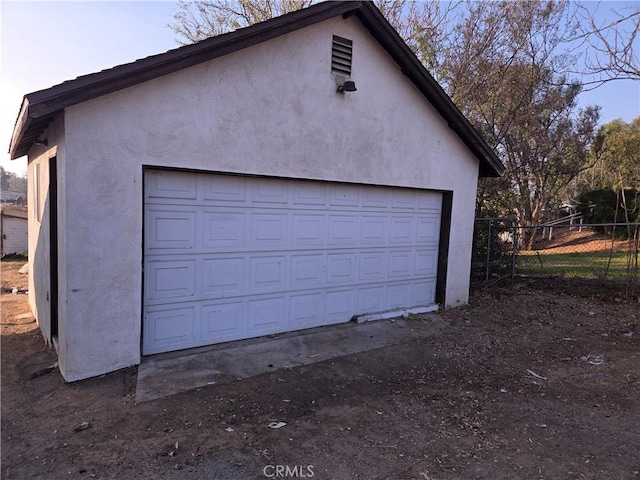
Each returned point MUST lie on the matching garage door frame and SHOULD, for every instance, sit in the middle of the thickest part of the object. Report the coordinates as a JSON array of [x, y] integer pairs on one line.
[[443, 243]]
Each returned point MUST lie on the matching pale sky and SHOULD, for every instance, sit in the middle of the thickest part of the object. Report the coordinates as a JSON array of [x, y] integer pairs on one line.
[[45, 43]]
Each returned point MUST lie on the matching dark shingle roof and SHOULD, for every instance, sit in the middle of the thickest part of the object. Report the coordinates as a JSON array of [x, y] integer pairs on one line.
[[39, 108]]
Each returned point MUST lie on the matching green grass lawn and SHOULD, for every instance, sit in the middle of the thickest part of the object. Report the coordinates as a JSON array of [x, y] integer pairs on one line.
[[578, 264]]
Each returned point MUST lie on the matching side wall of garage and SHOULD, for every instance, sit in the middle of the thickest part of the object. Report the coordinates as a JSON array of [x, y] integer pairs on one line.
[[39, 226], [271, 109]]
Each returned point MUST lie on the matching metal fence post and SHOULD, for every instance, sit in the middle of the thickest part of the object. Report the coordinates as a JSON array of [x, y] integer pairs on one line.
[[514, 256], [487, 267]]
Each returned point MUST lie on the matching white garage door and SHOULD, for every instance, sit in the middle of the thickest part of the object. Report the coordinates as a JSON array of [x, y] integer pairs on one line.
[[230, 257]]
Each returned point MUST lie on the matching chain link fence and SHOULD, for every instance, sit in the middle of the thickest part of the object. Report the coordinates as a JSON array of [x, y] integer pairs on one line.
[[600, 251], [495, 250]]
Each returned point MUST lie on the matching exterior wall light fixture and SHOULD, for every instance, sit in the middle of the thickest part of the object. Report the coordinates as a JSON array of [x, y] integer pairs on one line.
[[346, 86]]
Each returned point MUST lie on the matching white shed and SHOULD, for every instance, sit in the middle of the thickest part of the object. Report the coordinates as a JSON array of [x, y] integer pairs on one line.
[[292, 174], [13, 230]]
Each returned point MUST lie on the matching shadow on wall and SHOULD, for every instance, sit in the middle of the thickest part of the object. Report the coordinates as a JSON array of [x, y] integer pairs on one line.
[[39, 267]]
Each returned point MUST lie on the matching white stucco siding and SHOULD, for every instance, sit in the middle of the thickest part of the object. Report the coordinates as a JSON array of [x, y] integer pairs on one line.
[[103, 268], [271, 109], [39, 206]]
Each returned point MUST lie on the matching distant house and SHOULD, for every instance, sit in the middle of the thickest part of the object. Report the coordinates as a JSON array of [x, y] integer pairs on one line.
[[292, 174], [14, 237], [14, 198]]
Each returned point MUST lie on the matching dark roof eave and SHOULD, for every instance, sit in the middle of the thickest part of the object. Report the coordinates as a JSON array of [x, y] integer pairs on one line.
[[19, 129]]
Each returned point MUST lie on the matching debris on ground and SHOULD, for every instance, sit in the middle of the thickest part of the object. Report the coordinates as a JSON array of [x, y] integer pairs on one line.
[[277, 425], [536, 375], [82, 426], [594, 359]]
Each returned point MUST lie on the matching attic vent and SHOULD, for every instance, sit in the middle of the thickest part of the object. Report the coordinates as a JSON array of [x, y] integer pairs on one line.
[[341, 52]]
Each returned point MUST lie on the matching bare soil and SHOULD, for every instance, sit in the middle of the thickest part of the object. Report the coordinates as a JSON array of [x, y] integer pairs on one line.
[[565, 240], [470, 404]]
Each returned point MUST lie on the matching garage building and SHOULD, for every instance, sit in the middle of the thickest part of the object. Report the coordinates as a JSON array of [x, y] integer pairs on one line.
[[293, 174]]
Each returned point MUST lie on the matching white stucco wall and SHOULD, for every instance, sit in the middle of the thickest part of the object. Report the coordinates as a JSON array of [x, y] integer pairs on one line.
[[39, 206], [271, 109]]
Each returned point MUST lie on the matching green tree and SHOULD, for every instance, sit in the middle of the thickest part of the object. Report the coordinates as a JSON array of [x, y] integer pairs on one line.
[[4, 178], [605, 205], [615, 157], [611, 187], [13, 182]]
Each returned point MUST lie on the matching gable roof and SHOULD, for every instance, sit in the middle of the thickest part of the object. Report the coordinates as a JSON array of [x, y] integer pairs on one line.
[[39, 108]]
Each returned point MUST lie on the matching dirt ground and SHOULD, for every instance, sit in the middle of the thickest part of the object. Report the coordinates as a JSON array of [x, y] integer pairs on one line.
[[539, 379], [586, 241]]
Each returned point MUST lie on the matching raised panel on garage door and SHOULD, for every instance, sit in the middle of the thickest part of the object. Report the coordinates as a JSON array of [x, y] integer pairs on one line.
[[231, 257]]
